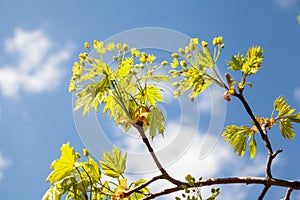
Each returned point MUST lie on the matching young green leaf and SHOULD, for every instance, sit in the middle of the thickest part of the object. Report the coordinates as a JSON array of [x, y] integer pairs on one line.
[[113, 164], [286, 129], [124, 68], [237, 137], [152, 94], [252, 147], [282, 107], [157, 122], [91, 170], [52, 193], [253, 61], [295, 118], [64, 166], [236, 62]]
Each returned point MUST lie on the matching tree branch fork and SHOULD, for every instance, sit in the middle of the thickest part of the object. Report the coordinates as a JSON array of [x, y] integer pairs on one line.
[[267, 181]]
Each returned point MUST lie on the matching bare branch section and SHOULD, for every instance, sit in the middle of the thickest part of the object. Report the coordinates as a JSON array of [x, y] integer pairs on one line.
[[288, 194], [264, 192], [292, 185], [263, 135], [165, 175]]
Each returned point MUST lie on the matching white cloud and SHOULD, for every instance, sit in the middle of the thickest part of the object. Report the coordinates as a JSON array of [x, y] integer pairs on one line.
[[37, 65], [4, 163], [286, 3], [297, 93], [181, 157]]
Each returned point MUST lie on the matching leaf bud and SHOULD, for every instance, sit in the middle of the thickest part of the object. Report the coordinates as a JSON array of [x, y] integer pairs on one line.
[[125, 47], [204, 44], [174, 55], [175, 84], [119, 46], [77, 155], [183, 63], [176, 94], [181, 51], [226, 97], [85, 152], [164, 63], [87, 45]]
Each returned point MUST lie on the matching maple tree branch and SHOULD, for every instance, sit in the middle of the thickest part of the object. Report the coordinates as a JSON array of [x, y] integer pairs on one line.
[[288, 194], [264, 192], [149, 147], [293, 185], [263, 134], [165, 175], [155, 178]]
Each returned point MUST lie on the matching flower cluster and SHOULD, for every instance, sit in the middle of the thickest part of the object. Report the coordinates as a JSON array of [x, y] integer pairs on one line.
[[194, 62]]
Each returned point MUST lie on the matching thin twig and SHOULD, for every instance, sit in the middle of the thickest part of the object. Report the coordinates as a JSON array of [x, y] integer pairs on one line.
[[149, 147], [155, 178], [264, 192], [166, 176], [263, 135], [288, 194]]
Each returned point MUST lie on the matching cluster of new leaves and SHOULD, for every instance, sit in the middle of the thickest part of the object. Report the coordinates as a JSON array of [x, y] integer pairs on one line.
[[248, 65], [126, 87], [197, 67], [239, 137], [285, 117], [77, 179]]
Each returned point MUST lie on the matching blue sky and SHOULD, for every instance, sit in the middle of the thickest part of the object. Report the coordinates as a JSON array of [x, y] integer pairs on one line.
[[40, 40]]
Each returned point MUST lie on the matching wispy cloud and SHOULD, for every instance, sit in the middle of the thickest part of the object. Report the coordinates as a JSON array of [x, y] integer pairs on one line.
[[4, 163], [220, 161], [286, 3], [37, 64], [297, 93]]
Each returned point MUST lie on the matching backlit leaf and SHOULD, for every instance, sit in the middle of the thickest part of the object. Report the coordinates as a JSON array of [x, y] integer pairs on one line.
[[236, 62], [113, 164], [286, 129], [157, 122], [253, 61], [153, 94], [237, 137], [63, 166], [52, 194], [295, 118], [252, 147], [282, 107]]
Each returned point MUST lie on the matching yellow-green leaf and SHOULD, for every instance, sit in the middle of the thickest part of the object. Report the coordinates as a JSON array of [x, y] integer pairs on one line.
[[91, 170], [153, 94], [52, 194], [282, 107], [63, 166], [236, 62], [253, 61], [157, 122], [252, 147], [113, 164], [286, 129], [295, 118], [237, 137]]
